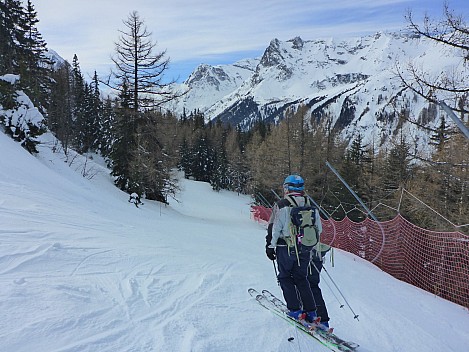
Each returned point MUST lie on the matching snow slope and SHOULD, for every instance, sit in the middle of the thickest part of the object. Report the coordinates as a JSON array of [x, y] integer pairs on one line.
[[82, 269]]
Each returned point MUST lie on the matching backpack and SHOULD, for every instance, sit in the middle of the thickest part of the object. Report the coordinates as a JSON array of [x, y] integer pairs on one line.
[[302, 224]]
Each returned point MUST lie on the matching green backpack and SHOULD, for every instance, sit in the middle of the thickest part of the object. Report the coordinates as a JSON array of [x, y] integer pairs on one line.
[[302, 224]]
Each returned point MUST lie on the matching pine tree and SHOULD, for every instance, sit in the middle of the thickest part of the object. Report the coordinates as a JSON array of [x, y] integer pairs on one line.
[[34, 65], [355, 167], [203, 159], [60, 109], [138, 64], [220, 175], [11, 35], [78, 105], [96, 111], [185, 159], [441, 135], [238, 168], [398, 165], [107, 126], [220, 178], [153, 159], [124, 143], [138, 77]]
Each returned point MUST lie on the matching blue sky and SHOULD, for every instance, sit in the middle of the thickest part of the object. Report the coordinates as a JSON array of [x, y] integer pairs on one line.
[[217, 31]]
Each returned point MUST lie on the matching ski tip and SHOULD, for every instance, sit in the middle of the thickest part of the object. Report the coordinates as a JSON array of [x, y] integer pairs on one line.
[[253, 292]]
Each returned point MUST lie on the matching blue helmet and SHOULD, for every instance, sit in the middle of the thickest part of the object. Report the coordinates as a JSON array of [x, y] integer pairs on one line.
[[294, 183]]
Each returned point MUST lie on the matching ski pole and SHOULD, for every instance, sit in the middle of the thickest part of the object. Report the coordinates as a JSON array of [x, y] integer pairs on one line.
[[340, 292], [329, 286], [275, 270]]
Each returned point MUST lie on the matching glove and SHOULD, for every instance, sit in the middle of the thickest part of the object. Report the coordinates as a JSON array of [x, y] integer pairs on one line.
[[270, 253]]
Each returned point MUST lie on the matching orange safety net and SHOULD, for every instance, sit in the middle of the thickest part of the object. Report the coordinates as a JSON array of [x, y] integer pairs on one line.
[[437, 262]]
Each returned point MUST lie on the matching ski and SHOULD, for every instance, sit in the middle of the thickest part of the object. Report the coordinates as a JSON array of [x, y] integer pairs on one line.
[[268, 300], [321, 330], [281, 306]]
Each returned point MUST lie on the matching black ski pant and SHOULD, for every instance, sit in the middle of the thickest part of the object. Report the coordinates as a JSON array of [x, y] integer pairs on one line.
[[293, 278], [314, 278]]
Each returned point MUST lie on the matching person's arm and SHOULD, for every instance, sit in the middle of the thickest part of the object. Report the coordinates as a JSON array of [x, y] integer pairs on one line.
[[269, 249], [278, 225]]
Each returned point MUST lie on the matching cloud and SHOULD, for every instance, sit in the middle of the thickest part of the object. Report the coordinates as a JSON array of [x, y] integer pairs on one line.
[[195, 31]]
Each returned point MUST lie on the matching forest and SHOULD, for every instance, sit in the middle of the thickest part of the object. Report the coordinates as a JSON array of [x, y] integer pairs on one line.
[[144, 144]]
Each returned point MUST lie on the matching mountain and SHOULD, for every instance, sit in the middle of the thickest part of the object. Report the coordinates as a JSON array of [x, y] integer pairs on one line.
[[350, 83], [55, 58]]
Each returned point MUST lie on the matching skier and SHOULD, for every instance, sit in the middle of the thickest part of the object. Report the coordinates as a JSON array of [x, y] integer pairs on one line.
[[292, 263]]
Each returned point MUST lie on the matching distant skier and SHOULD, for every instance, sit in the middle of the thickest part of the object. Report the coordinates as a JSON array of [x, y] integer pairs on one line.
[[292, 261]]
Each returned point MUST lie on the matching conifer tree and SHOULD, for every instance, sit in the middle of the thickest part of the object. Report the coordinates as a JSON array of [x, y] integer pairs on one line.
[[203, 159], [60, 108], [79, 90], [185, 159], [107, 126], [34, 65], [441, 135], [124, 142], [96, 115], [153, 160], [239, 172], [398, 165], [137, 63], [139, 76], [11, 34], [220, 178]]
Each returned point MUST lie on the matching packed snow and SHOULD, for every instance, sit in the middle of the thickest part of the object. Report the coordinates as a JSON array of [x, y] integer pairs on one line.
[[82, 269]]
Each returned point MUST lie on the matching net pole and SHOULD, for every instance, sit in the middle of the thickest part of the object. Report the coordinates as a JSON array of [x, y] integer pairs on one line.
[[278, 197], [369, 212], [456, 120]]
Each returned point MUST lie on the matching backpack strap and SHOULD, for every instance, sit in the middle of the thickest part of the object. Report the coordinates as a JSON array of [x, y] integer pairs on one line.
[[294, 203], [291, 200]]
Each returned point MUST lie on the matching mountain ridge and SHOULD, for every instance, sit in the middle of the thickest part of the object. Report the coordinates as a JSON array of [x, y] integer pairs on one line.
[[349, 81]]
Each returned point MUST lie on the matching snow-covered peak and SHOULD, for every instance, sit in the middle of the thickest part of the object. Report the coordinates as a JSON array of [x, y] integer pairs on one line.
[[209, 84], [55, 58], [323, 74]]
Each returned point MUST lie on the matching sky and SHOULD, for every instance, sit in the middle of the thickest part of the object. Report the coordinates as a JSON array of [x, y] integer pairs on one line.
[[84, 270], [215, 31]]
